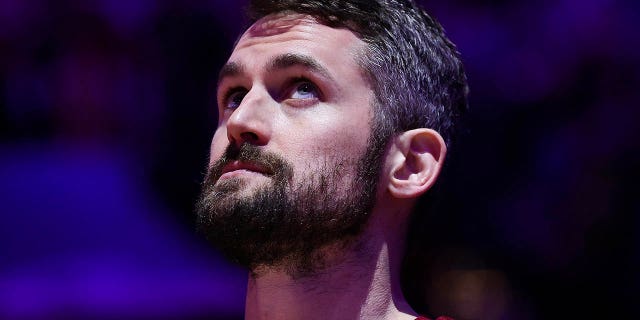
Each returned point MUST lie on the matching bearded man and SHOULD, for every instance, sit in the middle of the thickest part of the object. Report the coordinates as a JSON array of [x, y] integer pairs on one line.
[[334, 118]]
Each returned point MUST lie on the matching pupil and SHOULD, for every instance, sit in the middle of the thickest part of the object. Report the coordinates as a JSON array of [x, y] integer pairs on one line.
[[305, 88]]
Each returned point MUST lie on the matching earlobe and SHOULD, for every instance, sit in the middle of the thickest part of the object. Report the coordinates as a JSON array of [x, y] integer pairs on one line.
[[419, 157]]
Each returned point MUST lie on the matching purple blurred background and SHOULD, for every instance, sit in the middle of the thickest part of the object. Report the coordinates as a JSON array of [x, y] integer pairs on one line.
[[105, 121]]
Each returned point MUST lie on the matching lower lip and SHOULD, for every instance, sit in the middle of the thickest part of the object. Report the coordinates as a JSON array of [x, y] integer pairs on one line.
[[239, 172]]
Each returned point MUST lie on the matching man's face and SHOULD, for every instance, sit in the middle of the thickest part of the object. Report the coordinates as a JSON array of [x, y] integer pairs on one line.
[[291, 166]]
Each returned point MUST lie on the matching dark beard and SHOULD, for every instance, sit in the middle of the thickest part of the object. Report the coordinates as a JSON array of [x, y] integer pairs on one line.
[[284, 225]]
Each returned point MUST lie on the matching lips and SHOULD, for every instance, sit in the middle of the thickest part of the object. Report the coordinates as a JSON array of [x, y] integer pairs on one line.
[[239, 166]]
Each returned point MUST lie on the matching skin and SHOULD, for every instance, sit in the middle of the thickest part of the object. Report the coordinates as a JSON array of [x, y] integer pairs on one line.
[[333, 123], [315, 109]]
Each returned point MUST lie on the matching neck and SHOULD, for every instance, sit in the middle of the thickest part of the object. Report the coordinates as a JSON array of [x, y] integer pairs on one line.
[[362, 284]]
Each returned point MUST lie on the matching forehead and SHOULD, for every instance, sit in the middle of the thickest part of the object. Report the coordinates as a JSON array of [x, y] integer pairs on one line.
[[296, 33]]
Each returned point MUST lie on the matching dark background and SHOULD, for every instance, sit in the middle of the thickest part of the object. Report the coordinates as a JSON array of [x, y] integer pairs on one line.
[[106, 117]]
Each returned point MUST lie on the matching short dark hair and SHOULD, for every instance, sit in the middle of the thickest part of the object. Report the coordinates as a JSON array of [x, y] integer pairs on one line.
[[416, 73]]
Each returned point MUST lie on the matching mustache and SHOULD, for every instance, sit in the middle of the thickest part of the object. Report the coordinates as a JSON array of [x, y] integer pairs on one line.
[[281, 168]]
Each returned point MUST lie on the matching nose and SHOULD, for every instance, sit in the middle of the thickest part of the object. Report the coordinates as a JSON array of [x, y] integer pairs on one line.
[[251, 122]]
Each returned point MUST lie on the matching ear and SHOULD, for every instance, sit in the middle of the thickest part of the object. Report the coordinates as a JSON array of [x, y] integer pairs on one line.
[[416, 162]]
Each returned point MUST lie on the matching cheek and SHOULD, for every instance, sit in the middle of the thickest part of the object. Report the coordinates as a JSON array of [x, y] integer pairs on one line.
[[218, 144], [344, 137], [331, 147]]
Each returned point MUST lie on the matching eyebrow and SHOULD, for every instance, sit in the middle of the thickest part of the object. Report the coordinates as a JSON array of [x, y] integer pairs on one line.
[[289, 60], [280, 62], [230, 69]]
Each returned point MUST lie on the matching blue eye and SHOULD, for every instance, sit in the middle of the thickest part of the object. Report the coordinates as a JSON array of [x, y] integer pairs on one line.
[[234, 99], [305, 90]]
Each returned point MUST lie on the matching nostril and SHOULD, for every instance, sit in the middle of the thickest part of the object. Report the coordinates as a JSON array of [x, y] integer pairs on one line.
[[249, 137]]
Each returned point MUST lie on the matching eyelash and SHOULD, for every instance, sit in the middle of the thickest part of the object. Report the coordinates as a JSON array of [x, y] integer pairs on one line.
[[291, 85], [296, 82], [229, 93]]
